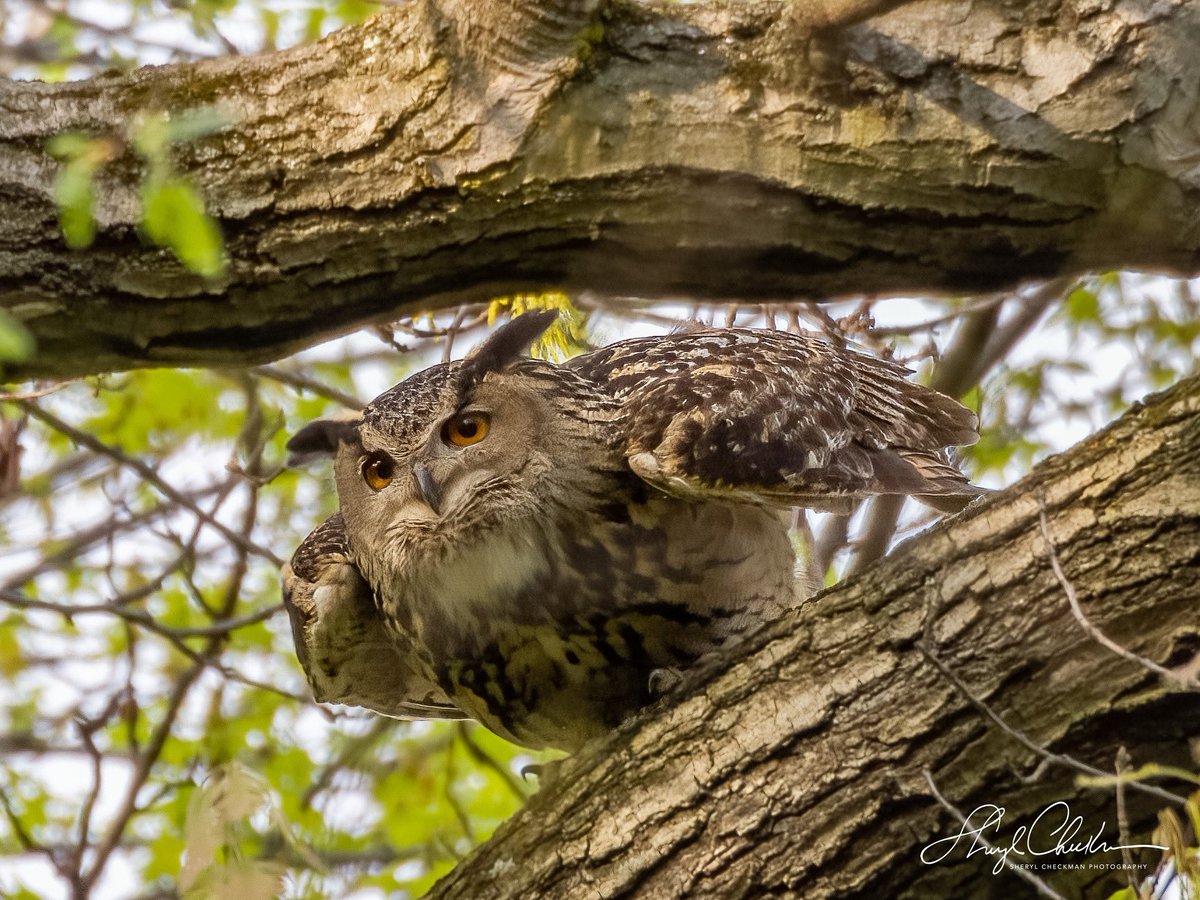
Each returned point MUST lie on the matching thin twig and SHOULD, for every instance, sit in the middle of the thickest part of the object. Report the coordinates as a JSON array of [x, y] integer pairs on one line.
[[304, 383], [1091, 630], [976, 305], [1028, 743], [148, 473], [141, 773], [24, 838], [483, 758], [89, 801], [1123, 819], [452, 332], [460, 813], [355, 748], [140, 617], [36, 393], [69, 552]]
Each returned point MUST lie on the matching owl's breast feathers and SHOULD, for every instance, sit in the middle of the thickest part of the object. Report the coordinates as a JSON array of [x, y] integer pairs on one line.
[[548, 631]]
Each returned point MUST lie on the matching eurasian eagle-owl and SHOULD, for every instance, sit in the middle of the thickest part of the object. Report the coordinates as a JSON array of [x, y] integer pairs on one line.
[[539, 543]]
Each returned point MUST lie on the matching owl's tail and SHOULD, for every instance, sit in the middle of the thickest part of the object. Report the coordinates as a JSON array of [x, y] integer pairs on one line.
[[944, 487]]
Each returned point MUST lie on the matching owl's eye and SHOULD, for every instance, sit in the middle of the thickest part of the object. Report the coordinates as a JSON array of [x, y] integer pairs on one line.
[[377, 470], [465, 430]]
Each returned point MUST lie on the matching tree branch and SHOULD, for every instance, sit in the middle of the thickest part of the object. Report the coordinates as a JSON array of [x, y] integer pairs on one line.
[[447, 152]]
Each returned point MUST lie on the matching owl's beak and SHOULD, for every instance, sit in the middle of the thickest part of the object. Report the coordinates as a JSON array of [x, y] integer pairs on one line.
[[427, 489]]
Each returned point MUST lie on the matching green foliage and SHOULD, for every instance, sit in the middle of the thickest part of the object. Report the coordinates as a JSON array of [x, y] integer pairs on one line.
[[351, 12], [173, 217], [74, 185], [16, 343], [1115, 339], [80, 40], [252, 782], [565, 337], [173, 213], [1082, 305]]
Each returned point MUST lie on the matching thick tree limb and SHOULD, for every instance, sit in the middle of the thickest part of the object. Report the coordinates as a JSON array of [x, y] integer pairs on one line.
[[448, 151], [801, 770]]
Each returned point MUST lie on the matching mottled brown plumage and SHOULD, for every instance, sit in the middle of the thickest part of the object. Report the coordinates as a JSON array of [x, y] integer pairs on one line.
[[341, 641], [543, 539], [780, 418]]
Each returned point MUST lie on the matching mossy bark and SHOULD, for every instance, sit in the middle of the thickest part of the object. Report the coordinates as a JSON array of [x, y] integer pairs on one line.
[[447, 151]]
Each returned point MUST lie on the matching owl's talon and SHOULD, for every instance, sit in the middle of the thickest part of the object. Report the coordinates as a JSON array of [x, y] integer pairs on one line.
[[545, 772], [662, 681]]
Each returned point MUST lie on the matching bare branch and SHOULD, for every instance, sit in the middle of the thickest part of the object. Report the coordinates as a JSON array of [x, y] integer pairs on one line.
[[145, 471], [1086, 624]]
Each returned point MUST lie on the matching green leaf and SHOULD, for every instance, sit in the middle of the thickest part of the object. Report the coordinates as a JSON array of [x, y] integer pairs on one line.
[[75, 196], [196, 123], [151, 135], [1083, 305], [314, 23], [16, 343], [351, 12], [74, 185], [270, 24], [68, 145], [174, 217]]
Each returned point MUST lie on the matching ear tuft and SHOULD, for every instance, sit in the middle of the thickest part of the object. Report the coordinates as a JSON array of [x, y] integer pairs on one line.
[[320, 439], [506, 345]]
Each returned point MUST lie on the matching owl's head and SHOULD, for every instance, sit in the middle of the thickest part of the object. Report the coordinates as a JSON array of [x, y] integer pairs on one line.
[[456, 449]]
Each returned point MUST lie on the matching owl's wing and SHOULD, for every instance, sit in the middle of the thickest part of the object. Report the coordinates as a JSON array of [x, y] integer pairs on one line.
[[342, 643], [779, 418]]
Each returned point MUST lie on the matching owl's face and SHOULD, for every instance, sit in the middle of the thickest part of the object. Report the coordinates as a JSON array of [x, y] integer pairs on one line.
[[435, 459], [498, 444]]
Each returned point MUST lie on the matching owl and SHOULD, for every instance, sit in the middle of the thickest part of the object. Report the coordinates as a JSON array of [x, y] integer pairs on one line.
[[543, 547]]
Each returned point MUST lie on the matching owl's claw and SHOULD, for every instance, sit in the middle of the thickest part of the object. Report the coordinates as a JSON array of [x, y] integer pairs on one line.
[[663, 681], [545, 772]]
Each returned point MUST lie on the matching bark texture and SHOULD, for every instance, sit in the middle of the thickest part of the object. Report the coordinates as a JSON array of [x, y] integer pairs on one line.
[[799, 771], [448, 151]]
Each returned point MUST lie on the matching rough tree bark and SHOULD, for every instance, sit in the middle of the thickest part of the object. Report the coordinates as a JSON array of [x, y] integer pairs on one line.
[[449, 151], [800, 771]]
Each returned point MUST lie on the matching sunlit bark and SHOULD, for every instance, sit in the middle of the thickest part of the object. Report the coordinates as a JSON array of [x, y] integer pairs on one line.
[[449, 151]]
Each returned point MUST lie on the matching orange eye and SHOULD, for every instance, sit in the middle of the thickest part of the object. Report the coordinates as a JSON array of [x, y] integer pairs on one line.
[[465, 430], [377, 470]]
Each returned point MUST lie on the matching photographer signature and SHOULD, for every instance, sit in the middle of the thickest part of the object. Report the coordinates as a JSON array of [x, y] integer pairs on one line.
[[1053, 832]]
